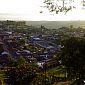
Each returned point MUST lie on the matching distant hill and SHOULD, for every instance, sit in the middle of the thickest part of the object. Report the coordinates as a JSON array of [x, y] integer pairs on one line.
[[56, 24]]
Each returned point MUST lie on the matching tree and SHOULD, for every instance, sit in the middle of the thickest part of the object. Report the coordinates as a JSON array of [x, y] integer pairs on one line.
[[21, 60], [62, 5], [21, 42], [16, 62], [73, 57], [23, 74]]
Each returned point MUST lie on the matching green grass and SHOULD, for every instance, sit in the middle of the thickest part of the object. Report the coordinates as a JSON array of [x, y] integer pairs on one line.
[[59, 71], [1, 77]]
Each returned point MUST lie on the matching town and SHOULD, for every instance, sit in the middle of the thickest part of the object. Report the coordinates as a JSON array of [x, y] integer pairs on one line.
[[37, 47]]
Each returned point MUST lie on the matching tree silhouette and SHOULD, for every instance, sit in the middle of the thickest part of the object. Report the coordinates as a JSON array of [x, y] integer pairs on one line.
[[73, 57], [61, 5]]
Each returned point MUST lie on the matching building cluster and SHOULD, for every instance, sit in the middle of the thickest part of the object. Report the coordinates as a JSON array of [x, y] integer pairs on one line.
[[34, 44], [14, 44]]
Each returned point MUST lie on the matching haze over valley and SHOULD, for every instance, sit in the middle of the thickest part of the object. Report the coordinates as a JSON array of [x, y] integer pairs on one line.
[[56, 24]]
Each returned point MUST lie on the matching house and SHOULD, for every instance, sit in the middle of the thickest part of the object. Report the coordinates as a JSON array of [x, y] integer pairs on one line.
[[23, 53], [4, 58]]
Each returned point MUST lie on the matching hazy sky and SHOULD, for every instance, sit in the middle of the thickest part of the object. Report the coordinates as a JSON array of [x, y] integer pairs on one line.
[[29, 10]]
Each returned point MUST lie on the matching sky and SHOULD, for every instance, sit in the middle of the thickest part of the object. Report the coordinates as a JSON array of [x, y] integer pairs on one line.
[[30, 10]]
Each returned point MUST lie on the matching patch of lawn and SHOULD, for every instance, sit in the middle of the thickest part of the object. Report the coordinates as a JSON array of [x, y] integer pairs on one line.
[[59, 71], [1, 77]]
